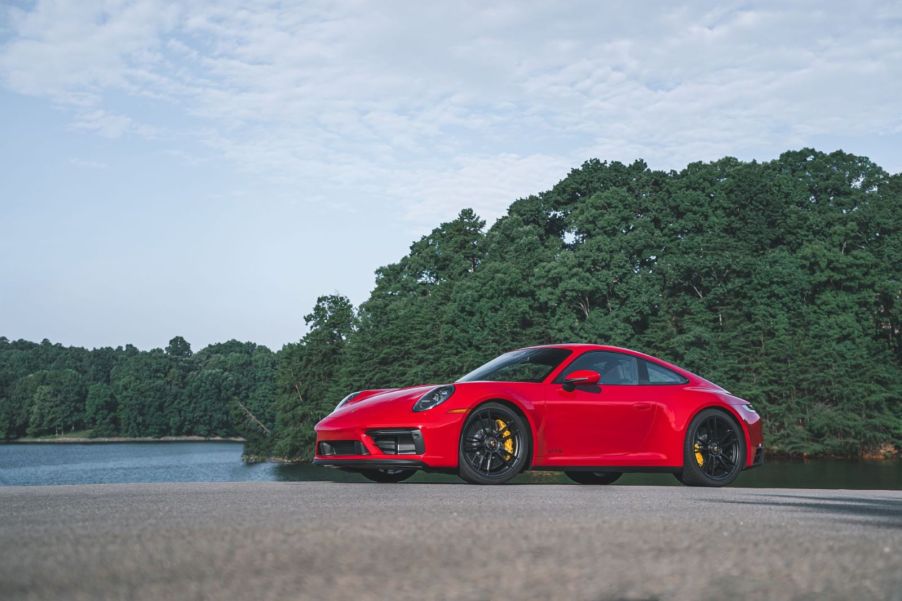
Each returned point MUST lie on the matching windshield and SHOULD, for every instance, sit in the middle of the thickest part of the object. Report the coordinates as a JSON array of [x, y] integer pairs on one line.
[[528, 365]]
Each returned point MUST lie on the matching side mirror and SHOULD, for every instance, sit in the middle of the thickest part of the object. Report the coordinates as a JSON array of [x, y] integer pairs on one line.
[[581, 377]]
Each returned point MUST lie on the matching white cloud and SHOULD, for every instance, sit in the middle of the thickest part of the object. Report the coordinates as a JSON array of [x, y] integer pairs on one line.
[[88, 163], [109, 125], [61, 49], [434, 106], [485, 184]]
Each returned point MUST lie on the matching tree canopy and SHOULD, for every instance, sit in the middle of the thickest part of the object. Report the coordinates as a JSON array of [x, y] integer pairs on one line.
[[51, 389]]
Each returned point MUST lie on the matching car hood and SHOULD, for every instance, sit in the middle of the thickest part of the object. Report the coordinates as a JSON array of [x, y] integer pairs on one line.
[[391, 396]]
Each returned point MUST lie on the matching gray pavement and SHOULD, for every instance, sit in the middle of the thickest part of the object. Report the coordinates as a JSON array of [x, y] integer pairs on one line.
[[323, 541]]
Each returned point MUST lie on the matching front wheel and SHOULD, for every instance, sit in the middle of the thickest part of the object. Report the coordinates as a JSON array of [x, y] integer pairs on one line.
[[594, 477], [387, 475], [494, 445], [714, 450]]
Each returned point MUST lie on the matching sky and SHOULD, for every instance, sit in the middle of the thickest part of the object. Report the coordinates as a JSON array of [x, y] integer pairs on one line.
[[207, 169]]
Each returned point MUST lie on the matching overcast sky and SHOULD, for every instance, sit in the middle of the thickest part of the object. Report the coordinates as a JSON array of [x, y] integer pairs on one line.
[[209, 169]]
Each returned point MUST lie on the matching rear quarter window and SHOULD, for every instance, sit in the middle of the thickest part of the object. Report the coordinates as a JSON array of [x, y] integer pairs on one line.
[[658, 374]]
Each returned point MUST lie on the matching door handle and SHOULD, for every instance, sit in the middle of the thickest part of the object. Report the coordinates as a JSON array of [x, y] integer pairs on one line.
[[642, 406]]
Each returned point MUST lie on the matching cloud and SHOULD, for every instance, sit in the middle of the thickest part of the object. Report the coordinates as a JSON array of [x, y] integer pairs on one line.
[[88, 163], [75, 52], [434, 106], [485, 184], [109, 125]]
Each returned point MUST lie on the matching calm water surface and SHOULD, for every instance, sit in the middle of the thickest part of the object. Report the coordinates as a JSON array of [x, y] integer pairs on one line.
[[36, 464]]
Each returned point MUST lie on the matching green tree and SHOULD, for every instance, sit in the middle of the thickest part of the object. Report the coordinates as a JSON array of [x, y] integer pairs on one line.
[[101, 410], [178, 347], [307, 375]]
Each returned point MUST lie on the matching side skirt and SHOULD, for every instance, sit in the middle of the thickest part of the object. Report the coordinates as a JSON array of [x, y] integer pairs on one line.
[[610, 468]]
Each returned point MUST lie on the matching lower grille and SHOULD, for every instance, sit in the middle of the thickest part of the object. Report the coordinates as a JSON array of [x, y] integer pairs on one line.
[[342, 447], [398, 442]]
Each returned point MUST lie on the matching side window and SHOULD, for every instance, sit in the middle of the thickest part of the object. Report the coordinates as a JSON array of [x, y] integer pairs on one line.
[[615, 368], [661, 375]]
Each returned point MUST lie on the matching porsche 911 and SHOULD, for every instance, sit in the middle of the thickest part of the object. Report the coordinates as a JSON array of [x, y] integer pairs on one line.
[[593, 412]]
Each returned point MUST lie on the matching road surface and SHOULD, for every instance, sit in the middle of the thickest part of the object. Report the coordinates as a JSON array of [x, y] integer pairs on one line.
[[324, 541]]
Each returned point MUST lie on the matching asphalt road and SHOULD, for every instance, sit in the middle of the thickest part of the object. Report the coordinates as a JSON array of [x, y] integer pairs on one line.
[[324, 541]]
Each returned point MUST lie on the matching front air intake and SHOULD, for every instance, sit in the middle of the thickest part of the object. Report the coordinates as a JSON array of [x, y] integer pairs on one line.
[[398, 442], [341, 447]]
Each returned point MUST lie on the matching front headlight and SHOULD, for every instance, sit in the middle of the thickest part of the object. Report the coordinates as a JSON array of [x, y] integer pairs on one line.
[[434, 397], [344, 400]]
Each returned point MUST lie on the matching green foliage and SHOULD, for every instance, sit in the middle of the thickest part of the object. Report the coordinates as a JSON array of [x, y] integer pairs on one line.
[[178, 347], [779, 280], [51, 389], [307, 376], [100, 410], [57, 403]]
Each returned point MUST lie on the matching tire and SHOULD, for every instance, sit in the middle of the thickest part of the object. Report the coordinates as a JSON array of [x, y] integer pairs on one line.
[[387, 475], [594, 477], [714, 450], [494, 445]]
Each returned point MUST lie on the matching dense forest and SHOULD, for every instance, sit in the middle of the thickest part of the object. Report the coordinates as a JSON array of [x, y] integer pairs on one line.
[[781, 281], [48, 389]]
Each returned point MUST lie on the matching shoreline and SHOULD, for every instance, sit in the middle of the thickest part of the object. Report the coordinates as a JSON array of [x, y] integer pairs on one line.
[[775, 458], [255, 458], [120, 439]]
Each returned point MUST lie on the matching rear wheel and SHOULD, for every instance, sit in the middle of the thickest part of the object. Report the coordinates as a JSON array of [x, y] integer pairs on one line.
[[387, 475], [494, 445], [594, 477], [714, 450]]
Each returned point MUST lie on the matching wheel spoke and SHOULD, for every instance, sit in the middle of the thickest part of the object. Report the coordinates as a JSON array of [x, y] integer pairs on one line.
[[729, 437], [471, 443]]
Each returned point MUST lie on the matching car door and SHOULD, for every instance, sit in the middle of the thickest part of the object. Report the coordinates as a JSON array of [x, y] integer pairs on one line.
[[597, 425]]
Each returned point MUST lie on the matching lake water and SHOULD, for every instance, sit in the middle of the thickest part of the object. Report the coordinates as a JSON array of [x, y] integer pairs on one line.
[[37, 464]]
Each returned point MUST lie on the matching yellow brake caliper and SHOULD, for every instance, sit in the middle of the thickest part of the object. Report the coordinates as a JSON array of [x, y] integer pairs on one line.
[[506, 437], [697, 447]]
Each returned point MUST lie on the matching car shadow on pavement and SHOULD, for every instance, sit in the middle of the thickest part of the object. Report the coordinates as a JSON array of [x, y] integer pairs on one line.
[[883, 513]]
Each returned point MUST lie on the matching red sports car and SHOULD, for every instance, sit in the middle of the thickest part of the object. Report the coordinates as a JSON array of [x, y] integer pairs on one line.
[[591, 411]]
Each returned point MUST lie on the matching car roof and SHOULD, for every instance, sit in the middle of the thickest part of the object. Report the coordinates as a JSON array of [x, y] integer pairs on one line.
[[583, 346]]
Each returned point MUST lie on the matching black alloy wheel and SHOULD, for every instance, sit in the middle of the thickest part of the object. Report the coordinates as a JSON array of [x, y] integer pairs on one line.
[[594, 477], [387, 475], [714, 451], [494, 445]]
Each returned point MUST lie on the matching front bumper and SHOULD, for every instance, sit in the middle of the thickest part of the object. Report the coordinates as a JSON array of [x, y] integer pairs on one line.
[[386, 448], [370, 464], [418, 441]]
